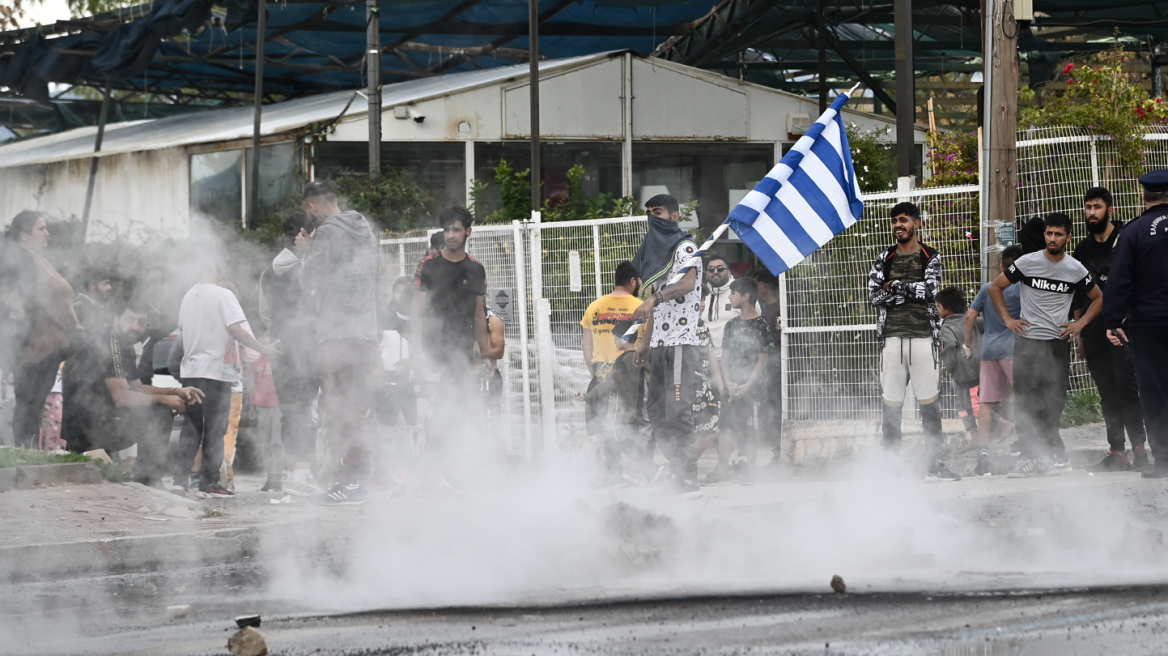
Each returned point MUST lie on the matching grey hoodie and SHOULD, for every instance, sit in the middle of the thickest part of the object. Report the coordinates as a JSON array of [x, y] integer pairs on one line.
[[341, 271]]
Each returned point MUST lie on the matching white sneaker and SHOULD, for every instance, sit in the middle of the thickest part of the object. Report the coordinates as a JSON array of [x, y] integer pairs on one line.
[[302, 486]]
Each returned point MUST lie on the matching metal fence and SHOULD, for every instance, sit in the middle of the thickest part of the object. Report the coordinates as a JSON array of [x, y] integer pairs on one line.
[[550, 272]]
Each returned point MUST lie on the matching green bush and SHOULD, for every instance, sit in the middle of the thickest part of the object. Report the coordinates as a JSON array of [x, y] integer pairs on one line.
[[873, 157], [1082, 408]]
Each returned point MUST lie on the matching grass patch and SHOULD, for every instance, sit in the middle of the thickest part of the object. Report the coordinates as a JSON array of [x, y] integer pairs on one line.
[[26, 457], [1082, 408]]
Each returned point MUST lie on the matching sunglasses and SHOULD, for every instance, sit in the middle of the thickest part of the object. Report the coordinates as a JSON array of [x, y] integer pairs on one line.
[[715, 269]]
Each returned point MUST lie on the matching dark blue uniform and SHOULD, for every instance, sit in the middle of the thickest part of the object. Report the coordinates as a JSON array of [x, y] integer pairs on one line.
[[1137, 291]]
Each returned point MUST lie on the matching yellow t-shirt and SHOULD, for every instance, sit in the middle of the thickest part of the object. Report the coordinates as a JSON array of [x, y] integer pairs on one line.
[[600, 317]]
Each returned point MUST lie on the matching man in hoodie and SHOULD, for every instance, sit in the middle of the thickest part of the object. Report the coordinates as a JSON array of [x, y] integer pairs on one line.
[[718, 309], [286, 312], [340, 269], [903, 285], [671, 313]]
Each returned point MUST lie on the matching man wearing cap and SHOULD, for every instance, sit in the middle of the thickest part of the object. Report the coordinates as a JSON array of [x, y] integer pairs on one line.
[[1135, 309]]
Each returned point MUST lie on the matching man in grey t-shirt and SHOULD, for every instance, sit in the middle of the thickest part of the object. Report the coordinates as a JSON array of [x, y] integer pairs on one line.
[[1042, 356]]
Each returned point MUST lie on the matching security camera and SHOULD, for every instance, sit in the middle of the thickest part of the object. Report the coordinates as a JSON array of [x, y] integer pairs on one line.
[[418, 118]]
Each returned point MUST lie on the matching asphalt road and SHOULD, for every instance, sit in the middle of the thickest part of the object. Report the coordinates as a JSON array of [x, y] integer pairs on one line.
[[115, 615]]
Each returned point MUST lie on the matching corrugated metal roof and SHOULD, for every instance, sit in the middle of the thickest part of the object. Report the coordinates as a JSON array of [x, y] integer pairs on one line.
[[237, 122]]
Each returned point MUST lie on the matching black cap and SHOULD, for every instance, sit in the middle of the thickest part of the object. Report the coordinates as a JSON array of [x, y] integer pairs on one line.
[[1155, 181]]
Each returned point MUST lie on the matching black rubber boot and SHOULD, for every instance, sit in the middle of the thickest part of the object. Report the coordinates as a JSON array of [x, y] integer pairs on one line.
[[890, 427], [931, 422]]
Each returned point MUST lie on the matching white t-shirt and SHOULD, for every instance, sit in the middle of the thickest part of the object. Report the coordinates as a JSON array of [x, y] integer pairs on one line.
[[675, 323], [205, 314]]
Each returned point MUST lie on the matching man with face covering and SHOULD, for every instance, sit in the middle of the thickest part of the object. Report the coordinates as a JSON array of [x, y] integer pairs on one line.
[[340, 268], [107, 407], [670, 343], [1111, 366]]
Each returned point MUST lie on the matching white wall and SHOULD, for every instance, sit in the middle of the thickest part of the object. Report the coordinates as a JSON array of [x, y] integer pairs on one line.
[[135, 194]]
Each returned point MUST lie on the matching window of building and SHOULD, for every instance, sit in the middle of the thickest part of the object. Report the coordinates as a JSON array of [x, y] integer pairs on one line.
[[438, 167], [601, 161], [278, 167], [217, 185], [715, 175]]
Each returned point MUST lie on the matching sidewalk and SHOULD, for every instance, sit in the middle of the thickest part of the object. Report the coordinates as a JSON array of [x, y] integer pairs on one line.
[[80, 530]]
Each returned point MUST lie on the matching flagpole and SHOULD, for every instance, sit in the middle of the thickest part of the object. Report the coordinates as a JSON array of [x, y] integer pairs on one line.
[[696, 260]]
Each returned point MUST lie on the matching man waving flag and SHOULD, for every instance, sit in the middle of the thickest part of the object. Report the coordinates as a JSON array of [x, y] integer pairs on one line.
[[810, 196]]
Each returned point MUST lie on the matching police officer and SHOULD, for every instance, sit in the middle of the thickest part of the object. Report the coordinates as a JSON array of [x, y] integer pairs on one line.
[[1135, 309]]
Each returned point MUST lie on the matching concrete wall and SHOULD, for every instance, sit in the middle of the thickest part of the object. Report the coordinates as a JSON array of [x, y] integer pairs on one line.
[[136, 193]]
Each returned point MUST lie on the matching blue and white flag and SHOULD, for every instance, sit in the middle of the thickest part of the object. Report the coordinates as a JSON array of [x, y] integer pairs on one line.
[[809, 197]]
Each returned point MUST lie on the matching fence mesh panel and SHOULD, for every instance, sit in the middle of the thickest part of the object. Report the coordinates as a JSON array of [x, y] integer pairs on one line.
[[605, 243], [832, 365]]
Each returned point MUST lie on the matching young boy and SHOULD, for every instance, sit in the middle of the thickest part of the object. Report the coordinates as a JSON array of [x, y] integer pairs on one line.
[[963, 372], [746, 345], [618, 397], [265, 409]]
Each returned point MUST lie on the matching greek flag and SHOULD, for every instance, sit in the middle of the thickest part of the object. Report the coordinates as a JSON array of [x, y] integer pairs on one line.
[[809, 197]]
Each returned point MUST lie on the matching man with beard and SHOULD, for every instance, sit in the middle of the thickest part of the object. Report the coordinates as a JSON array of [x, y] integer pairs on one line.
[[1111, 366], [670, 342], [340, 268], [718, 309], [1135, 310], [107, 407], [1042, 356], [903, 285], [90, 305], [286, 311]]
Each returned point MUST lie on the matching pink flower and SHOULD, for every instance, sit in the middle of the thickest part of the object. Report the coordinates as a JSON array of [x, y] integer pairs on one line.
[[1070, 81], [950, 157], [1068, 68]]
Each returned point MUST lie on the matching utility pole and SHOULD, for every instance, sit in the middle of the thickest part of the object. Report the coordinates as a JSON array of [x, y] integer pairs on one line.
[[821, 43], [905, 88], [533, 61], [1000, 180], [251, 220], [93, 166], [373, 71]]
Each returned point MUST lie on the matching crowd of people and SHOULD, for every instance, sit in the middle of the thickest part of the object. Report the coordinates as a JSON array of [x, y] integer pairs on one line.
[[682, 355]]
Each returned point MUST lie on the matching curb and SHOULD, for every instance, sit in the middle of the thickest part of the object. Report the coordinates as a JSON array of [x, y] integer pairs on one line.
[[36, 562], [30, 476]]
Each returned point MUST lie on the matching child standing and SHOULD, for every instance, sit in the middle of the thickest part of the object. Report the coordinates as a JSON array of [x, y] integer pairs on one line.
[[266, 408], [963, 372], [618, 397], [746, 345]]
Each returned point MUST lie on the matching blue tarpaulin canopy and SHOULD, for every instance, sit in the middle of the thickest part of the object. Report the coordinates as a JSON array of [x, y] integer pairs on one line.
[[319, 46]]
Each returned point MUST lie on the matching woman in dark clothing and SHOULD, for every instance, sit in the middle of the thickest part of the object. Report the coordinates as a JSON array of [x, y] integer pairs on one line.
[[46, 300]]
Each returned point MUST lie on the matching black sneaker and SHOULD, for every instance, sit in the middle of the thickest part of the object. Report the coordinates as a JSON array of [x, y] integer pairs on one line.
[[340, 495], [714, 478], [1027, 468], [982, 468], [213, 491], [273, 486], [1115, 461], [940, 472], [1140, 459], [1155, 472]]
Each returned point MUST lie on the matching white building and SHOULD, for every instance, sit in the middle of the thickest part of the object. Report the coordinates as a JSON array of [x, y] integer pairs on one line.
[[638, 125]]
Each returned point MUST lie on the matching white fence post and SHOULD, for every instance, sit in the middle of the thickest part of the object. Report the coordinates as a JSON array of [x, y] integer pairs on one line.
[[547, 372], [784, 353], [1094, 164], [596, 260], [521, 307]]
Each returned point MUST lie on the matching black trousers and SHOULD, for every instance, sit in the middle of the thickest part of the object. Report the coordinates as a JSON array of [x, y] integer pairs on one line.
[[297, 384], [1115, 377], [1150, 354], [205, 425], [672, 390], [33, 381], [1042, 370]]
